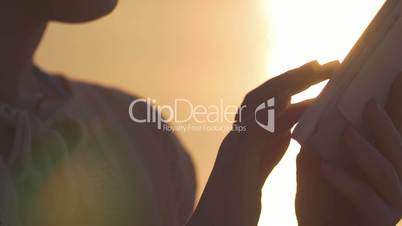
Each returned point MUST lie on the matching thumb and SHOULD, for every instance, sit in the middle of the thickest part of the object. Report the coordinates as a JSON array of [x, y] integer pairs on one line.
[[289, 117]]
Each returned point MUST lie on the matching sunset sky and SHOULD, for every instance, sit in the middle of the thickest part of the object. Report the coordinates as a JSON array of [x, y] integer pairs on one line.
[[205, 51]]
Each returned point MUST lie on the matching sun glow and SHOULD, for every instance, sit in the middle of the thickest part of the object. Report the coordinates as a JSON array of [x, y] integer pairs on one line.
[[301, 31]]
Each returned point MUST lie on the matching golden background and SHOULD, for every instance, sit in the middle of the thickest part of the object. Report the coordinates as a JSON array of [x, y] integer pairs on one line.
[[206, 51]]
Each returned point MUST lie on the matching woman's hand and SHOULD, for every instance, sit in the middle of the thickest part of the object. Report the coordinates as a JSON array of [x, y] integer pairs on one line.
[[319, 202], [245, 159], [378, 198]]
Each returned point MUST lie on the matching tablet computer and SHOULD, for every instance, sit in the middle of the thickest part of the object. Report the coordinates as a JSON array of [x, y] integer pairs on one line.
[[366, 73]]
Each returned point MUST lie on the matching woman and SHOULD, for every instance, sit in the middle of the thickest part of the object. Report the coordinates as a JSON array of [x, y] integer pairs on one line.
[[71, 156]]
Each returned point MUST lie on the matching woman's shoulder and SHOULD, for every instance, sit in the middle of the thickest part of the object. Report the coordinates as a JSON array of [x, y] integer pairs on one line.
[[106, 129], [160, 149]]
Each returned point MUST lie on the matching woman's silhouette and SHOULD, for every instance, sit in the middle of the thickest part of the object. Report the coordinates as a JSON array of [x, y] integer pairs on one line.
[[71, 156]]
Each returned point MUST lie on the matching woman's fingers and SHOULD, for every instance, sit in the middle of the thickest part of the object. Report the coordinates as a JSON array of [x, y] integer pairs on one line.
[[380, 199], [291, 115], [299, 79], [284, 121], [284, 86], [365, 199], [394, 106], [385, 135], [378, 170]]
